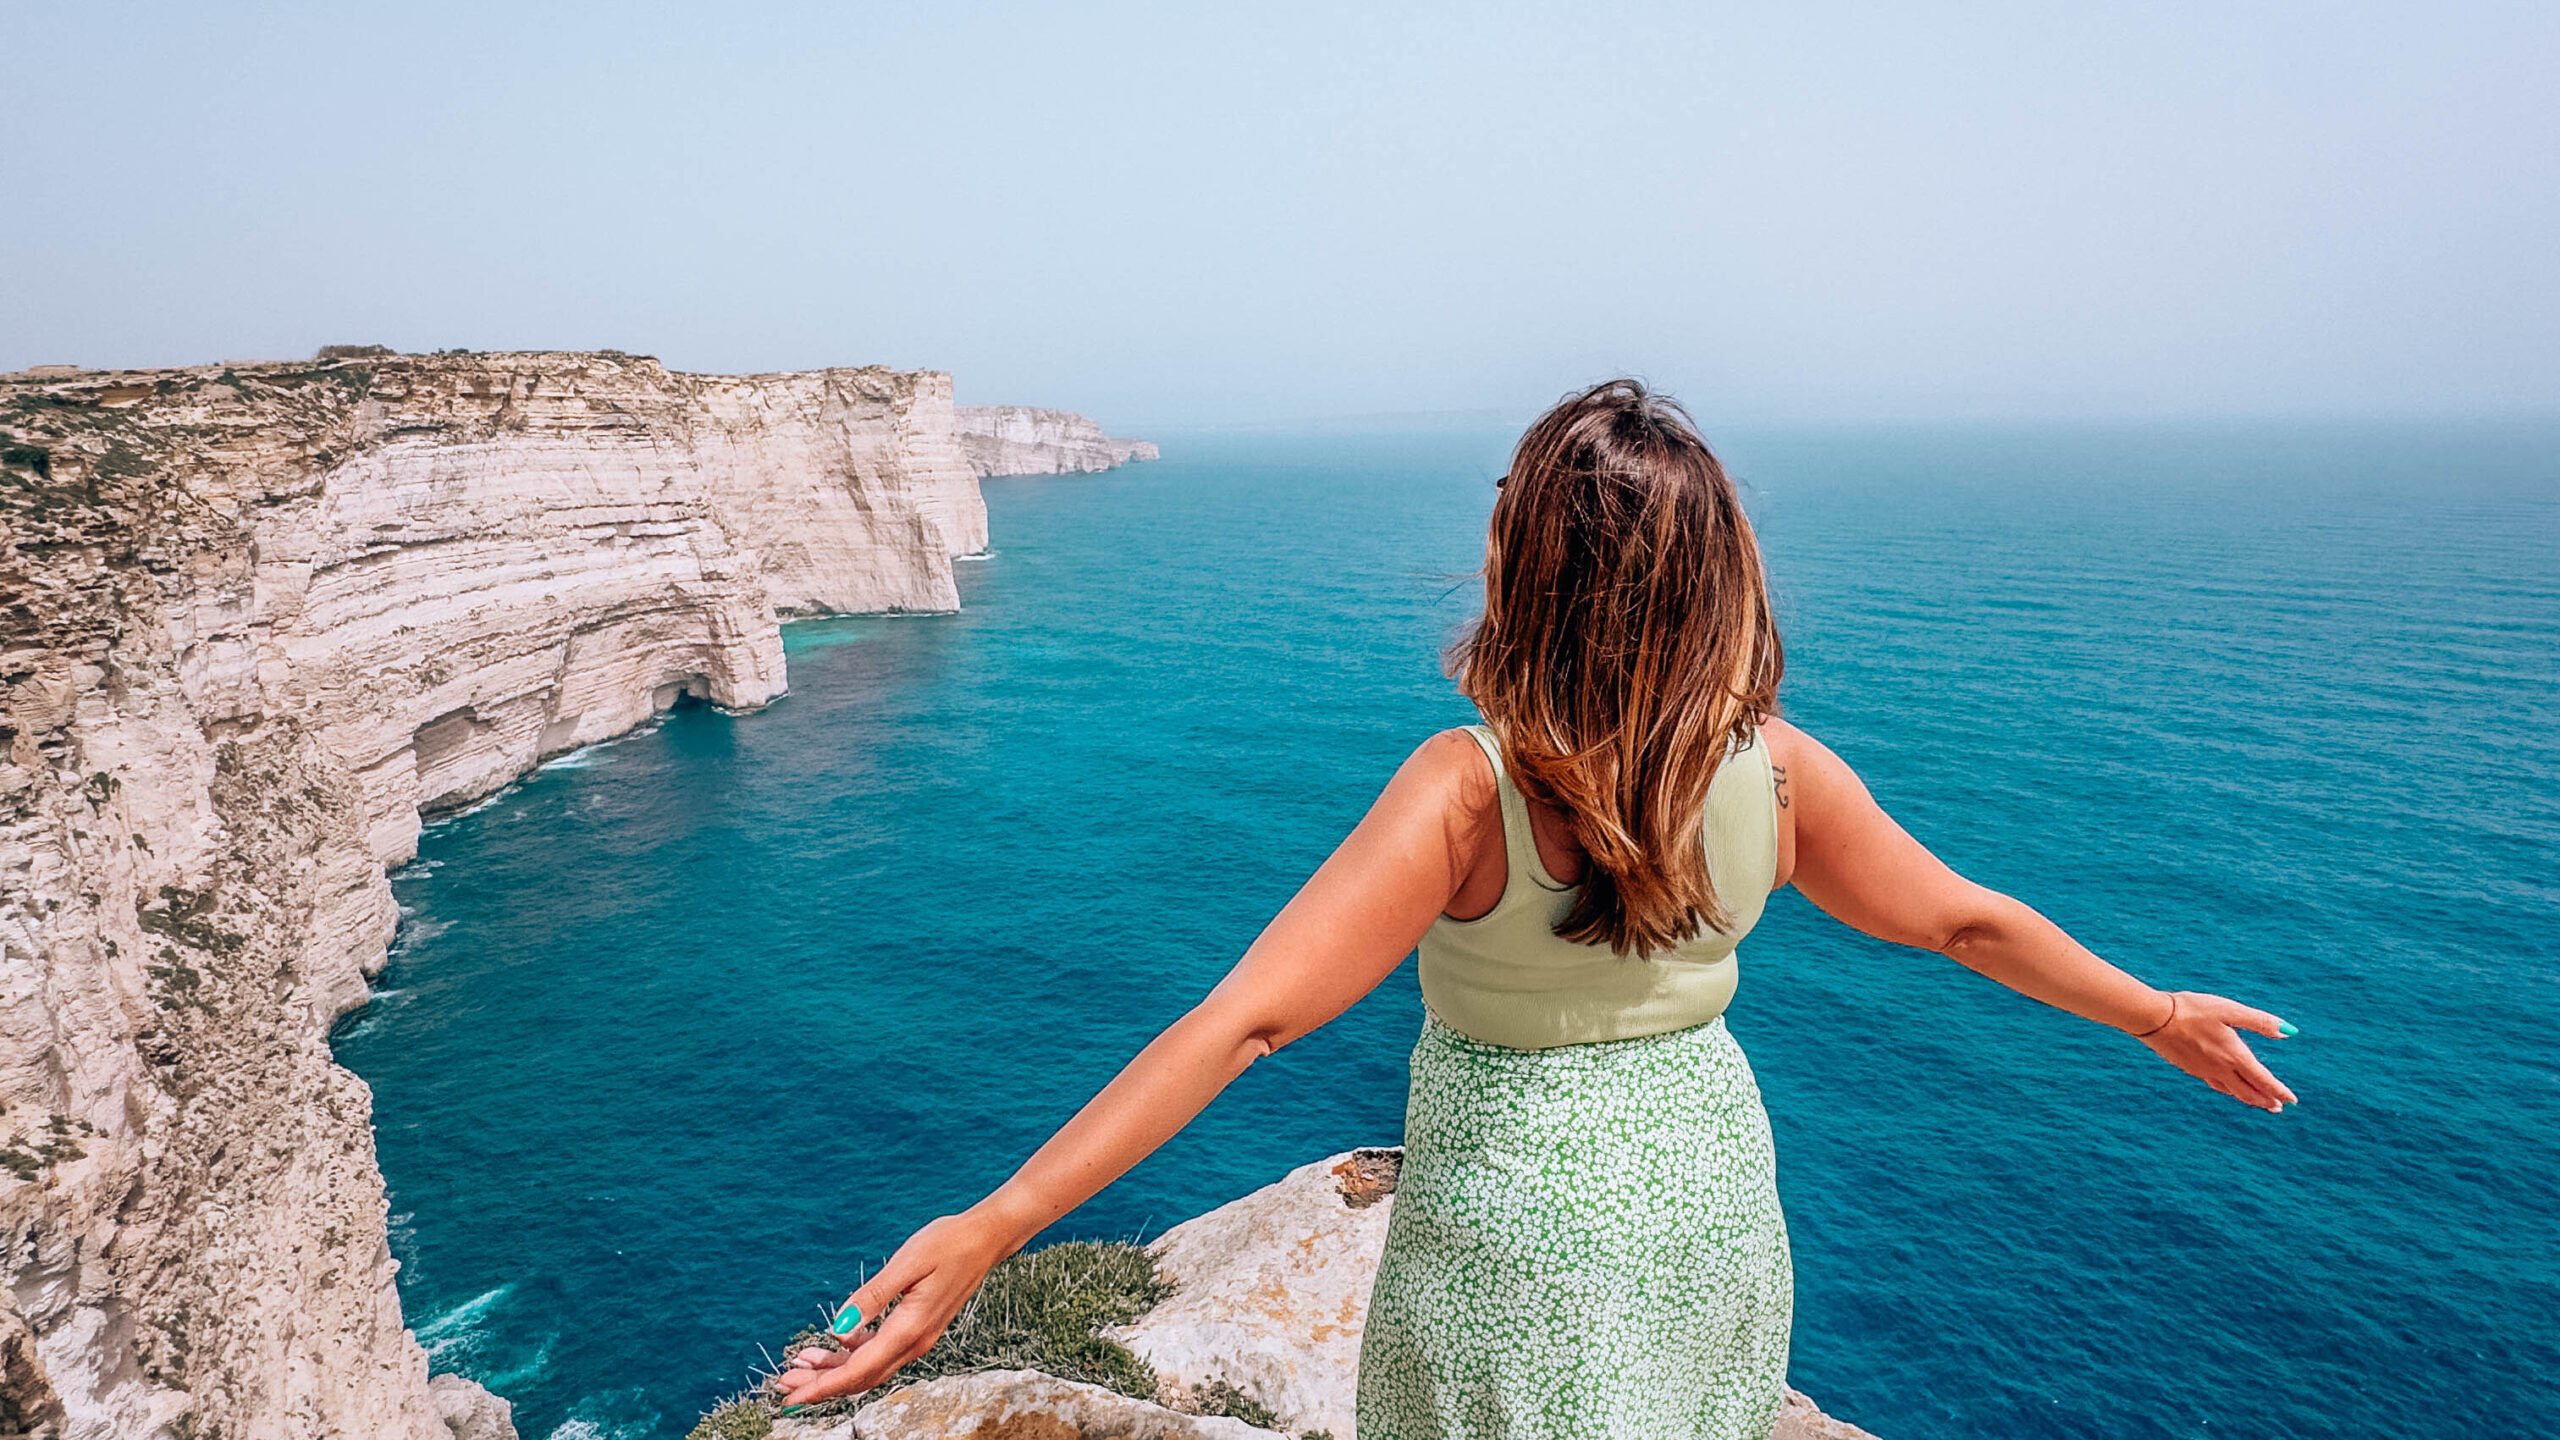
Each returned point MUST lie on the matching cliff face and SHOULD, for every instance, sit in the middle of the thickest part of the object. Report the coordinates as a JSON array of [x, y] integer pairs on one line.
[[1018, 440], [256, 619]]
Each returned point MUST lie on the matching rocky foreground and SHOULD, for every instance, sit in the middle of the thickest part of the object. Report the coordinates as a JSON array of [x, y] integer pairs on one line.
[[1269, 1295], [255, 619]]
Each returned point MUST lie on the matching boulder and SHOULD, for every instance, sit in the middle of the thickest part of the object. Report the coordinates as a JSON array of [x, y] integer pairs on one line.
[[1271, 1291], [469, 1411]]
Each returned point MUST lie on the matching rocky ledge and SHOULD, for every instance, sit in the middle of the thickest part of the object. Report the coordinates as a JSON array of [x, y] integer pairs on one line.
[[1259, 1338], [255, 619]]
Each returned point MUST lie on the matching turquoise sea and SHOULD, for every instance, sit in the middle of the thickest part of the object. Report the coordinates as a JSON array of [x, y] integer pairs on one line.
[[686, 1030]]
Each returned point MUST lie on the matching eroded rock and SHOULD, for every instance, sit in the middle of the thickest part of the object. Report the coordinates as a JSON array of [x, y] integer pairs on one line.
[[1271, 1291], [469, 1411]]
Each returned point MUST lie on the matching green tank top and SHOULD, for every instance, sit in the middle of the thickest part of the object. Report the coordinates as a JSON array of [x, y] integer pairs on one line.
[[1507, 978]]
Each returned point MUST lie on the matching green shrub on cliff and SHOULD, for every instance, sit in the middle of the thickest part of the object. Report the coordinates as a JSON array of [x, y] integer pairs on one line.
[[744, 1418], [1221, 1398], [1041, 1310]]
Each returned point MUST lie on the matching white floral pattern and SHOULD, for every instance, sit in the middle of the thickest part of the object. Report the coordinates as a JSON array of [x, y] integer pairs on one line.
[[1587, 1245]]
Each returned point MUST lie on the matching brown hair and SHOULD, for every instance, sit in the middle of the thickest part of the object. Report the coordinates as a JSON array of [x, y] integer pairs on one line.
[[1626, 645]]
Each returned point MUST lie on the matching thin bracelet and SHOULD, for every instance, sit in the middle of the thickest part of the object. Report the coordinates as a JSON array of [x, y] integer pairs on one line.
[[2163, 1025]]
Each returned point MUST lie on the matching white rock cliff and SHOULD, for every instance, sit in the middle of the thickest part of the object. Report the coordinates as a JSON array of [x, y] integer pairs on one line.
[[257, 619], [1019, 440]]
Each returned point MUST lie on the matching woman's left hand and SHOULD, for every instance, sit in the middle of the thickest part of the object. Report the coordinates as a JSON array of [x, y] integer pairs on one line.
[[2203, 1039]]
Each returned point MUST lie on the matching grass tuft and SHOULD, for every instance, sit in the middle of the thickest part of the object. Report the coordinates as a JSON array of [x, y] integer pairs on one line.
[[1040, 1310], [742, 1417], [1220, 1398]]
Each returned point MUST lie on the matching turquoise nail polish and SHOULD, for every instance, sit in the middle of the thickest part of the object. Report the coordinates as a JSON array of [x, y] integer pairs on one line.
[[848, 1319], [793, 1409], [2286, 1029]]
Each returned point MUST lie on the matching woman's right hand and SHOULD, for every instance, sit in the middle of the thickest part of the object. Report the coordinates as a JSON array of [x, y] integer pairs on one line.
[[930, 1278], [2202, 1037]]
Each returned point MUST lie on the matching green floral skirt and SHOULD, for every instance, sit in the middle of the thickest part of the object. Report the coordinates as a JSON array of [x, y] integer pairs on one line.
[[1586, 1245]]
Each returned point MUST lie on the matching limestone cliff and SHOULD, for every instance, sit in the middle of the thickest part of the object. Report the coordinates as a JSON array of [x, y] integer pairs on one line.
[[1018, 440], [258, 618]]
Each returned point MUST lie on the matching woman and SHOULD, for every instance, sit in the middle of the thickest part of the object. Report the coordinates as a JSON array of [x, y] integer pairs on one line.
[[1587, 1239]]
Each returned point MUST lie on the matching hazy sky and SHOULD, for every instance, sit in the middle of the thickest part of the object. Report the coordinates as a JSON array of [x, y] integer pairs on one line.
[[1207, 213]]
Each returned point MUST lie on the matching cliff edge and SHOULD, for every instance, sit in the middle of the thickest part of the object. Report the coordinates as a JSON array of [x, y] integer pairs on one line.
[[1019, 440], [258, 618], [1257, 1339]]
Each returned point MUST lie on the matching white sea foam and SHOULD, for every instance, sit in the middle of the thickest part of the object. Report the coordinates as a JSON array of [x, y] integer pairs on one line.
[[447, 817], [413, 931], [584, 1429], [631, 1418], [463, 1339], [458, 1329], [401, 1229], [577, 759]]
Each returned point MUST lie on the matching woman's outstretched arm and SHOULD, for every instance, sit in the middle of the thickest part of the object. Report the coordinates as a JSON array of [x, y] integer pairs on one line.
[[1350, 926], [1850, 858]]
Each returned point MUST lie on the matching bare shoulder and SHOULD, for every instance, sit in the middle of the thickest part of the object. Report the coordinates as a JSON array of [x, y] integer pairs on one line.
[[1786, 742], [1799, 759], [1815, 788], [1821, 800], [1445, 788], [1452, 769]]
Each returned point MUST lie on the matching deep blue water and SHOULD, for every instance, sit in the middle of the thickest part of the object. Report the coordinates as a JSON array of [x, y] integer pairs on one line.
[[683, 1033]]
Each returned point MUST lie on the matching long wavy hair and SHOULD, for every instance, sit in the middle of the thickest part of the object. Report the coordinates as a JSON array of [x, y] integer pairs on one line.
[[1626, 648]]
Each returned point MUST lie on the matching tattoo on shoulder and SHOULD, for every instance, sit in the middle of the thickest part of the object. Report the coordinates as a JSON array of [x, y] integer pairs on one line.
[[1780, 773]]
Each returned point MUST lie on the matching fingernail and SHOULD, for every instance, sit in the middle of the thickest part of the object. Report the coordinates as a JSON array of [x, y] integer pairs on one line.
[[793, 1409], [2287, 1029], [848, 1319], [2279, 1108]]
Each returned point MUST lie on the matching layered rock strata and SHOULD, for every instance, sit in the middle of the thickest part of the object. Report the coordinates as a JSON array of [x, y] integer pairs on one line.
[[1019, 440], [257, 619]]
